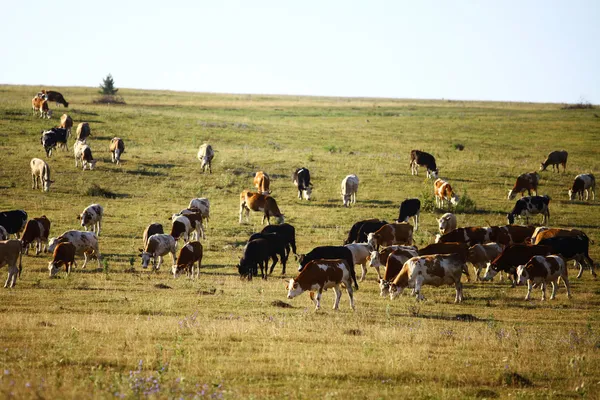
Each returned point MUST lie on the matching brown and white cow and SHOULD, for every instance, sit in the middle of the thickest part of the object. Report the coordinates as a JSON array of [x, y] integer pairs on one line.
[[555, 158], [40, 171], [349, 189], [92, 217], [64, 254], [444, 193], [528, 181], [158, 245], [511, 234], [393, 257], [511, 257], [583, 183], [434, 270], [41, 105], [206, 155], [319, 275], [259, 202], [447, 223], [117, 147], [36, 230], [86, 243], [83, 131], [262, 182], [390, 234], [481, 255], [190, 254], [10, 252], [542, 270], [66, 122], [187, 225], [379, 259], [83, 153], [150, 230]]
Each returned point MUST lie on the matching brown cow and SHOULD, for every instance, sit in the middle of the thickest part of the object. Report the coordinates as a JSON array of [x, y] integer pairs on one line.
[[64, 253], [41, 105], [528, 181], [57, 97], [10, 252], [83, 131], [542, 233], [259, 202], [393, 265], [66, 122], [379, 259], [262, 182], [513, 256], [188, 256], [480, 255], [470, 235], [36, 230], [510, 234], [150, 230], [444, 193], [117, 147], [390, 234], [556, 158]]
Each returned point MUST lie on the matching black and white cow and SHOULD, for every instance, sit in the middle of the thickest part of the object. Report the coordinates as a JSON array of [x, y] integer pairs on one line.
[[420, 158], [410, 208], [13, 221], [572, 248], [51, 138], [530, 205], [301, 179]]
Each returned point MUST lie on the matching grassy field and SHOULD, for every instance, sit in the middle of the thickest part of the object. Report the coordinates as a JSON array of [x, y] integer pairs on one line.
[[125, 332]]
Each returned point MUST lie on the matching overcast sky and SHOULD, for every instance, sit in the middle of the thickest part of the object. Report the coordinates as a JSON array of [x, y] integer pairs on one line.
[[541, 51]]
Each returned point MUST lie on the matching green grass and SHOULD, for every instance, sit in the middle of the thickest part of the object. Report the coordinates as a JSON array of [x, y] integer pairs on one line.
[[116, 331]]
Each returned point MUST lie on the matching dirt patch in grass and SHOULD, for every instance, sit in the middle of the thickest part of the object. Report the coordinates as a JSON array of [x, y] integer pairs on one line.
[[282, 304], [162, 286]]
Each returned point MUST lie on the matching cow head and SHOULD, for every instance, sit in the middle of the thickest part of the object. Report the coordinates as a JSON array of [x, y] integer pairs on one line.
[[374, 259], [510, 218], [280, 219], [572, 194], [384, 286], [490, 272], [307, 192], [542, 167], [433, 174], [454, 199], [395, 291], [53, 268], [511, 194], [47, 183], [85, 218], [522, 275], [372, 241], [178, 269], [91, 164], [244, 269], [293, 289], [146, 258]]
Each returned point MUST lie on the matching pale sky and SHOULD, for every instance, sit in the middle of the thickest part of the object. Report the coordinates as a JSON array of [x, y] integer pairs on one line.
[[539, 51]]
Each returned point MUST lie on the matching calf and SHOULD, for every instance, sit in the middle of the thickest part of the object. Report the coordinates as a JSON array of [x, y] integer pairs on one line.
[[201, 205], [530, 205], [256, 254], [420, 158], [513, 256], [83, 131], [259, 202], [184, 225], [583, 183], [66, 122], [53, 137], [434, 270], [287, 232], [349, 189], [360, 254], [393, 257], [447, 223], [528, 181], [13, 221], [117, 147], [391, 234], [40, 171], [158, 245], [41, 105], [36, 230], [262, 182], [330, 253], [319, 275], [206, 155], [481, 255], [572, 248], [188, 256], [444, 193], [543, 270], [85, 243], [64, 254], [10, 252], [51, 95], [92, 217], [83, 153], [301, 179], [410, 208], [556, 158], [379, 259], [152, 229], [277, 246]]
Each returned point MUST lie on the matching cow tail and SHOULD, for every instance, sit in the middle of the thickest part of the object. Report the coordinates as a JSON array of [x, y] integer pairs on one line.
[[20, 263]]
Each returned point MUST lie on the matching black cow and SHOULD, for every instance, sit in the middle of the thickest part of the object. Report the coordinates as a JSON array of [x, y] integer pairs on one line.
[[420, 158], [57, 97], [353, 234], [301, 178], [368, 227], [410, 208], [52, 137], [287, 231], [330, 253], [13, 221], [278, 246], [572, 248], [530, 205], [256, 254]]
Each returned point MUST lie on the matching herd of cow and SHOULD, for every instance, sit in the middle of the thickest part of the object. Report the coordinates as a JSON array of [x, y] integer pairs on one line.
[[525, 253]]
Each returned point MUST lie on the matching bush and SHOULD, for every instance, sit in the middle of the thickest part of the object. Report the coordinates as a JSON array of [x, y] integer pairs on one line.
[[465, 204], [427, 201], [109, 99], [97, 191], [582, 105]]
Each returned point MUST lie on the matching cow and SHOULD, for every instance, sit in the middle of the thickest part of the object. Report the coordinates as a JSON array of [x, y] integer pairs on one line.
[[287, 232], [36, 230], [157, 246], [3, 233], [528, 206], [206, 155], [53, 137], [480, 255], [301, 179], [510, 234], [379, 259], [262, 182], [556, 158], [391, 234], [420, 158], [447, 223], [319, 275], [393, 257], [83, 153], [13, 221], [528, 181], [359, 231], [543, 232], [511, 257], [360, 255], [444, 193], [572, 248], [459, 248], [259, 202], [349, 189], [256, 254], [92, 216], [470, 235], [434, 270], [10, 252], [184, 225], [543, 270], [41, 105], [330, 253], [150, 230], [410, 208], [57, 97], [85, 243], [116, 148], [64, 254], [190, 254], [40, 171], [66, 122], [278, 246], [201, 205], [583, 183], [83, 131]]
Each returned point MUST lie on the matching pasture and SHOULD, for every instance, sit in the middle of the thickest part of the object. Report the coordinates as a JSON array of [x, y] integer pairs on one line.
[[120, 331]]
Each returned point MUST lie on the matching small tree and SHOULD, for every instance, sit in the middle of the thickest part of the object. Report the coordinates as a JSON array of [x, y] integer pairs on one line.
[[108, 86]]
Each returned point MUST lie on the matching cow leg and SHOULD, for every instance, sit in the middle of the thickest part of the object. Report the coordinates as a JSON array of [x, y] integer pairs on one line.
[[378, 273], [565, 279], [318, 299], [338, 296], [38, 246], [416, 217], [459, 295], [350, 293], [85, 260], [364, 271], [284, 258], [99, 226], [241, 212], [275, 260], [529, 288], [157, 265], [34, 181], [417, 288], [543, 291], [554, 289]]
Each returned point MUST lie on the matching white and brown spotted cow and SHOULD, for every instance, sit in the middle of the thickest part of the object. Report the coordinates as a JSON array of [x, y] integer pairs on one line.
[[10, 252], [40, 171], [41, 105], [116, 148], [83, 131], [36, 230], [262, 182], [349, 189], [444, 193], [393, 257], [190, 254], [542, 270], [259, 202], [66, 122], [390, 234], [86, 243], [158, 245], [92, 217], [64, 254]]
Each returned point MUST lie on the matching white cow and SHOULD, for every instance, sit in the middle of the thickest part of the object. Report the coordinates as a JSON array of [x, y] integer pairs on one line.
[[83, 153], [205, 155], [158, 245], [86, 243], [360, 255], [40, 170], [349, 189], [92, 216]]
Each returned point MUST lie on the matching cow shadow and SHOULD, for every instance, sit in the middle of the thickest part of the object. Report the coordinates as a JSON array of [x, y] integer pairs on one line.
[[158, 165], [143, 172]]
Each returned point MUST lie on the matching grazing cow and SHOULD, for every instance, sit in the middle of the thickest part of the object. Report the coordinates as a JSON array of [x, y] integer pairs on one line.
[[556, 158], [188, 256], [420, 158], [287, 232], [447, 223], [511, 257], [64, 254], [510, 234], [329, 253], [359, 231], [583, 183], [542, 233], [36, 230], [410, 208], [277, 247], [353, 233], [319, 275], [379, 259], [349, 189], [444, 194], [201, 205], [481, 255], [262, 182], [92, 216], [85, 243], [152, 229], [528, 206], [13, 221], [470, 235], [543, 270], [57, 97], [117, 147], [83, 153], [206, 155], [434, 270], [528, 181], [83, 131], [10, 252], [41, 105], [360, 255], [157, 246], [3, 233], [572, 248], [184, 225], [66, 122], [301, 179], [256, 254], [393, 257], [259, 202], [53, 137], [40, 171], [390, 234]]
